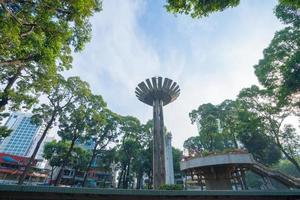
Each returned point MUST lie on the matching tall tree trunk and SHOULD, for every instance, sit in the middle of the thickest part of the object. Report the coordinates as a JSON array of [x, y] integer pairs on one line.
[[51, 175], [74, 176], [65, 161], [124, 177], [139, 180], [120, 177], [36, 149], [235, 142], [234, 139], [90, 164], [149, 179], [127, 175], [10, 83], [211, 143]]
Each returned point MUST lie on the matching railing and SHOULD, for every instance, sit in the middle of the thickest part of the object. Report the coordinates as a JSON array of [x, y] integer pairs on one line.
[[260, 168]]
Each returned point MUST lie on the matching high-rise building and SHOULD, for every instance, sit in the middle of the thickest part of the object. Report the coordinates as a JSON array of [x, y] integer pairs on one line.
[[23, 136]]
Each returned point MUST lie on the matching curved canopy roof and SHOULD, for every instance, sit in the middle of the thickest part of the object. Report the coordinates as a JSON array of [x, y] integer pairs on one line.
[[157, 89]]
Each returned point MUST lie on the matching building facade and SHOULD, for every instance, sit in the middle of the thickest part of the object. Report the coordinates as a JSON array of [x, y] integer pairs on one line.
[[23, 135], [12, 166]]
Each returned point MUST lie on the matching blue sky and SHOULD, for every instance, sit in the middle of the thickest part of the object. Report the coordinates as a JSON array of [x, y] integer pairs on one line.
[[210, 58]]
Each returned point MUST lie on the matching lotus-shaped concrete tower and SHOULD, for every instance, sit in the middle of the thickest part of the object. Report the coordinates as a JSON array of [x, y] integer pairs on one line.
[[158, 92]]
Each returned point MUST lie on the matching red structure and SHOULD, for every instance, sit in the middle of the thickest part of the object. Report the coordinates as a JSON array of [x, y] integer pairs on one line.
[[12, 166]]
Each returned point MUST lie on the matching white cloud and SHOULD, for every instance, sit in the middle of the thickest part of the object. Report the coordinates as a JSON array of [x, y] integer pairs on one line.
[[211, 59]]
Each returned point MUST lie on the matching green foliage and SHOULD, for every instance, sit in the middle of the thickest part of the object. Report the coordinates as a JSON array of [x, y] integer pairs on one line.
[[134, 154], [290, 140], [253, 133], [265, 105], [55, 152], [255, 140], [127, 155], [193, 145], [177, 154], [72, 123], [62, 99], [287, 167], [217, 127], [237, 125], [291, 3], [79, 159], [228, 117], [103, 127], [64, 94], [279, 69], [207, 116], [171, 187], [105, 158], [203, 8], [131, 127], [199, 8], [36, 43], [4, 132]]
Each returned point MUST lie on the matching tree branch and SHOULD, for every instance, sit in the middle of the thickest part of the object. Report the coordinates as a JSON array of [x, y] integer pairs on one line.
[[28, 32], [14, 16], [17, 61], [10, 13]]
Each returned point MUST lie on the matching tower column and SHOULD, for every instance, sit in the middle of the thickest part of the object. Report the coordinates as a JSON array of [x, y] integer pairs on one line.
[[157, 93], [159, 172]]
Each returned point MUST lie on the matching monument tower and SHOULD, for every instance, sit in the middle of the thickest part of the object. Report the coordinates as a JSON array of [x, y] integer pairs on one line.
[[157, 93]]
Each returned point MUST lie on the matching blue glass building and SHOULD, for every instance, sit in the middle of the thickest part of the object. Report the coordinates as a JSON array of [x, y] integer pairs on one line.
[[22, 137]]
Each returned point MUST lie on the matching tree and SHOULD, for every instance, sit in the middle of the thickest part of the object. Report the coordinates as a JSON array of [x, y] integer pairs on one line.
[[103, 128], [130, 147], [228, 117], [200, 8], [72, 127], [148, 146], [62, 96], [252, 134], [36, 42], [292, 3], [193, 145], [290, 140], [203, 8], [54, 152], [279, 69], [105, 161], [4, 131], [135, 152], [79, 160], [142, 162], [128, 151], [211, 134], [237, 126], [287, 167], [265, 105], [177, 154]]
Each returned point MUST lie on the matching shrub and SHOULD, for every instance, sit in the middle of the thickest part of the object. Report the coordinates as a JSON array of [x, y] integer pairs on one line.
[[171, 187]]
